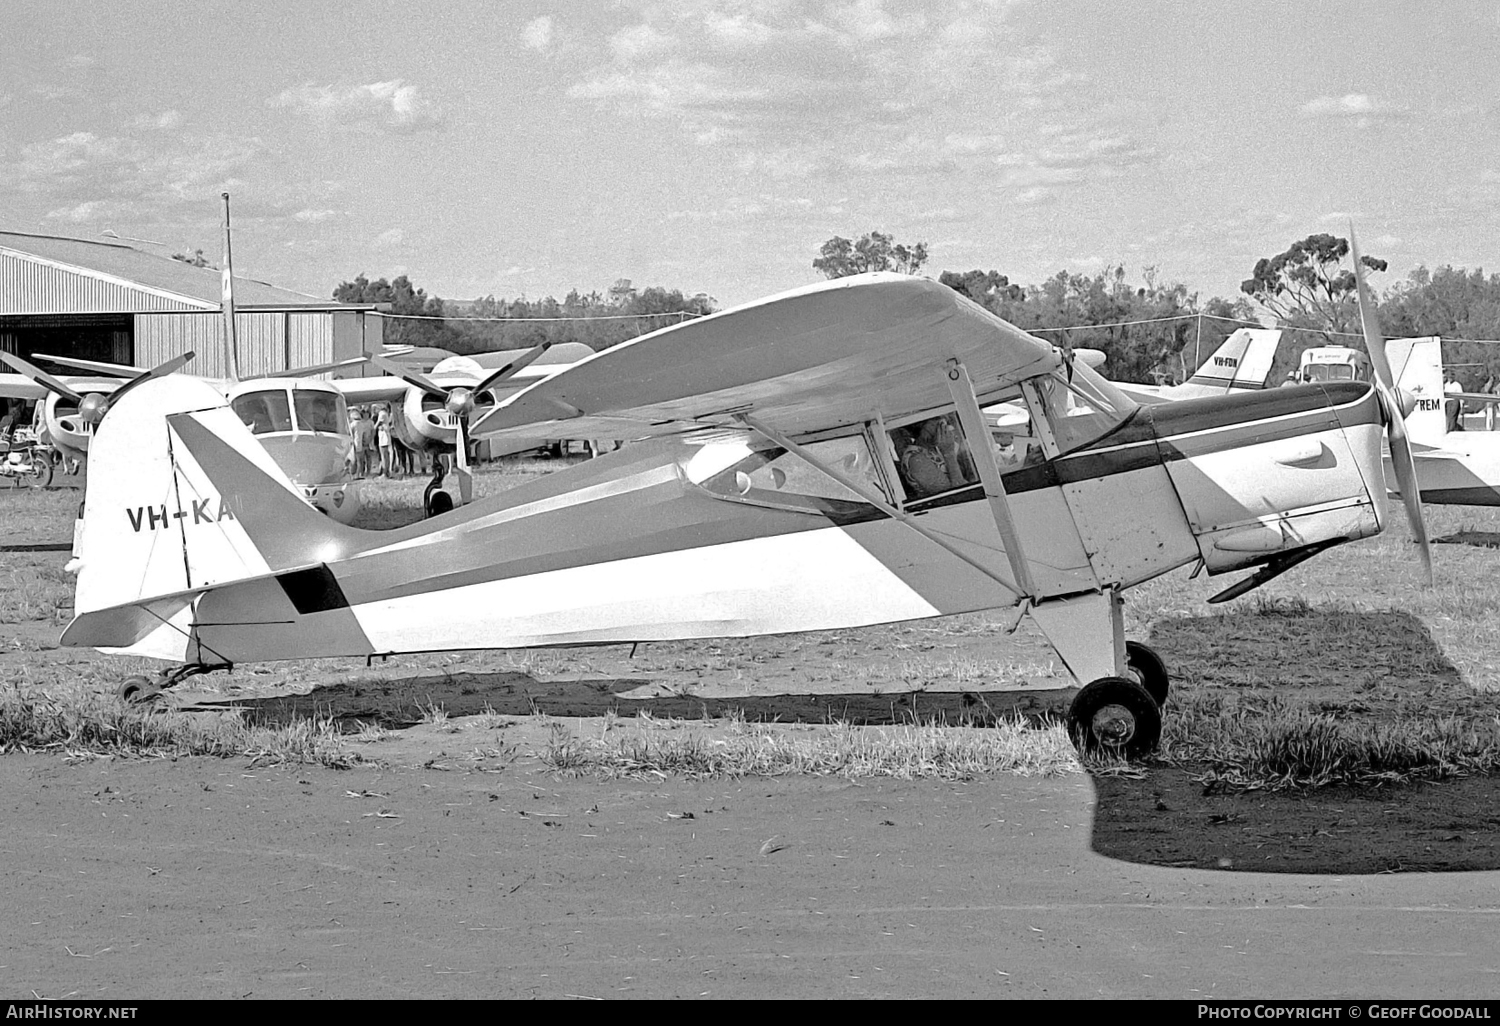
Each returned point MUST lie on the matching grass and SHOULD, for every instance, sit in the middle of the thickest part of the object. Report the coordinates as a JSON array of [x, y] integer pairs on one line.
[[31, 720], [1275, 744], [904, 753]]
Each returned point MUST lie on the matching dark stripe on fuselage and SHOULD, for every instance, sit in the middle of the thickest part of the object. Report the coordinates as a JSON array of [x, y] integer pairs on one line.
[[1191, 427], [313, 590]]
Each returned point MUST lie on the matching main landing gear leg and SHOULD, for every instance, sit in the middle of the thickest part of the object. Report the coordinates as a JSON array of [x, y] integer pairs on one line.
[[139, 690], [1118, 712]]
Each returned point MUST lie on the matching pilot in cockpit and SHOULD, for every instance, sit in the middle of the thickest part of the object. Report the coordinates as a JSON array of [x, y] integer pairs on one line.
[[932, 457]]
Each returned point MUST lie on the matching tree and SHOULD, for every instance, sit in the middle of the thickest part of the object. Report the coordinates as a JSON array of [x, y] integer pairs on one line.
[[403, 298], [875, 251], [981, 286], [1457, 304], [1307, 287]]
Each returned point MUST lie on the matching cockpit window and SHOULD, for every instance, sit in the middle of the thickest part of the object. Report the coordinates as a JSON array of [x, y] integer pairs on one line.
[[264, 412], [1082, 408], [319, 411], [932, 456], [778, 477], [1330, 372]]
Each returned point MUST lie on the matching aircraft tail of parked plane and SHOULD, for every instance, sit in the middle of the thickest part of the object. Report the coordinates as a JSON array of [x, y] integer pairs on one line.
[[1242, 363], [1418, 365]]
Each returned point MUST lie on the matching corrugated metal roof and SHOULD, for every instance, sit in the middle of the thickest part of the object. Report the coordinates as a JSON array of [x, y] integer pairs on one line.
[[120, 266]]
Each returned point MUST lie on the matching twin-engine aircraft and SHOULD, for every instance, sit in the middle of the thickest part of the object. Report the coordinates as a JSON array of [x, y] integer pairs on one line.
[[776, 491], [301, 420]]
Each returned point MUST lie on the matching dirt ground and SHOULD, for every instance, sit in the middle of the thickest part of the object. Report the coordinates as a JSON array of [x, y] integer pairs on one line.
[[210, 878]]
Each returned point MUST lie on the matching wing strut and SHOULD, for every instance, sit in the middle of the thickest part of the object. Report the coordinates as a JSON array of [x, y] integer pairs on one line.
[[983, 452], [874, 499]]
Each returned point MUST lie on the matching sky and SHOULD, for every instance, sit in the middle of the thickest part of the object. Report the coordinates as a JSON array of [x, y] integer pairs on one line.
[[526, 147]]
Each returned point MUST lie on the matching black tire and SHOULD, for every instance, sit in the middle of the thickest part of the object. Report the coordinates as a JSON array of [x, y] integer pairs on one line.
[[137, 690], [1148, 668], [1114, 716], [437, 501], [40, 475]]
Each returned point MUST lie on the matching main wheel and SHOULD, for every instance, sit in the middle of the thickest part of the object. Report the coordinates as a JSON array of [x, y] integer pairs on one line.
[[1114, 716], [1146, 666], [436, 501], [40, 473]]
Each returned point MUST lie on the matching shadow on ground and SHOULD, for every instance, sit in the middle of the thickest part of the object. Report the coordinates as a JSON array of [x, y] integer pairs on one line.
[[1479, 539], [401, 702], [1349, 664]]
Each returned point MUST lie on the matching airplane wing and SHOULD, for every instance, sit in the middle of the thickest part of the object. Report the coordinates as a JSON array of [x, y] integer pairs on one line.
[[384, 389], [812, 359], [19, 386]]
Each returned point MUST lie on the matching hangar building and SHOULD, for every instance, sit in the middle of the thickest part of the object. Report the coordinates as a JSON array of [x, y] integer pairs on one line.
[[100, 299]]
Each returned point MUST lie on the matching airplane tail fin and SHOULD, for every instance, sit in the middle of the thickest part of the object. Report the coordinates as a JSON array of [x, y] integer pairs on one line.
[[1242, 362], [1418, 366], [181, 498]]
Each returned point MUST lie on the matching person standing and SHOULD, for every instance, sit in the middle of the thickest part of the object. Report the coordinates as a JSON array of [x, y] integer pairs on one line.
[[383, 439], [364, 442]]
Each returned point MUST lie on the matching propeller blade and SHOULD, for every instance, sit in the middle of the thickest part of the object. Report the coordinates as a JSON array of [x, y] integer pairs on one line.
[[161, 370], [411, 377], [525, 360], [462, 446], [115, 370], [1402, 461], [309, 371], [41, 377]]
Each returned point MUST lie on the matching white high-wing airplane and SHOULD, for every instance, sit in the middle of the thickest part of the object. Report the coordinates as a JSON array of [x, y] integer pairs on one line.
[[770, 499], [1453, 467], [1242, 363]]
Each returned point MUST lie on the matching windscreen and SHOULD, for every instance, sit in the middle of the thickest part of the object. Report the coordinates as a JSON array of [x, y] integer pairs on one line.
[[1083, 407], [319, 411], [264, 412]]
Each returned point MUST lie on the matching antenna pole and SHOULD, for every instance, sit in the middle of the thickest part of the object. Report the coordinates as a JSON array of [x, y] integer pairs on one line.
[[226, 305]]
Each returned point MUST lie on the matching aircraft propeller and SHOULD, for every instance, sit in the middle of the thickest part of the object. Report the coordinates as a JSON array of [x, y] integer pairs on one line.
[[1402, 460], [92, 406], [460, 400]]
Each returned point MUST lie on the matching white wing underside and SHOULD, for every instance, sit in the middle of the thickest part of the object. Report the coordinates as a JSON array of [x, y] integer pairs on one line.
[[813, 359]]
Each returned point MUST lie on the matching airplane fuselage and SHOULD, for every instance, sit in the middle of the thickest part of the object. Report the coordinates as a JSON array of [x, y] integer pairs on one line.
[[657, 541]]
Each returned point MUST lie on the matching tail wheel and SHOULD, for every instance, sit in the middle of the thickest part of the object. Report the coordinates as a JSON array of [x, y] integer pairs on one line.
[[1146, 666], [138, 690], [1114, 716]]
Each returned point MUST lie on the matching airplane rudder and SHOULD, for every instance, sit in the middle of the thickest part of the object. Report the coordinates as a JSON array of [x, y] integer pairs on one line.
[[141, 518]]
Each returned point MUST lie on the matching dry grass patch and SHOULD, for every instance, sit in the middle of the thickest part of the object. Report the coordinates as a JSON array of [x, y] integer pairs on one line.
[[906, 753]]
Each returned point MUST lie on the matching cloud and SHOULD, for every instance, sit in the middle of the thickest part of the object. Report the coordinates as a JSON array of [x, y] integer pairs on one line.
[[89, 210], [50, 91], [388, 238], [391, 106], [165, 120], [747, 74], [1359, 109], [310, 216], [537, 35]]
